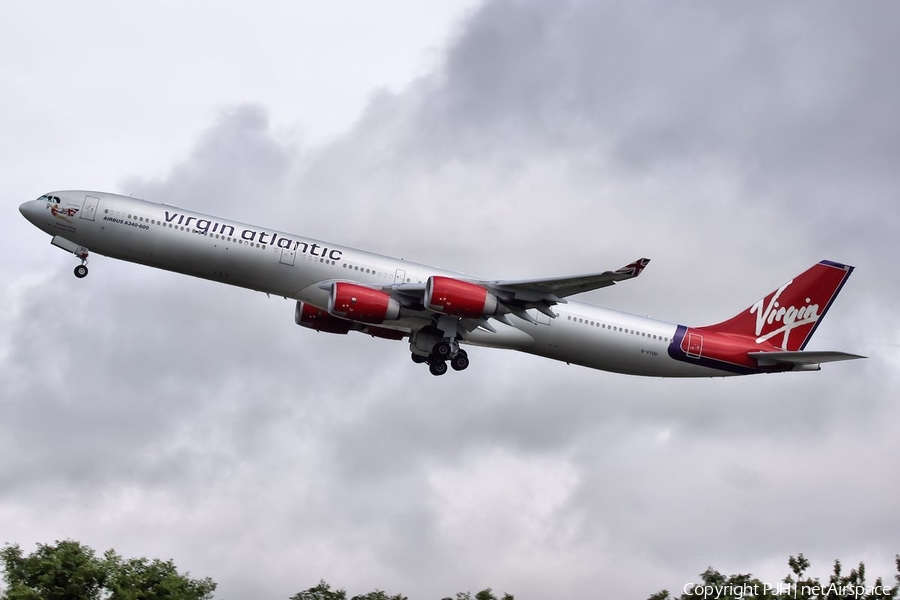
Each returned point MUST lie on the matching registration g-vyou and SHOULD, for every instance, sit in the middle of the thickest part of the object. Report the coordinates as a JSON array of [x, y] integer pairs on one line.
[[339, 289]]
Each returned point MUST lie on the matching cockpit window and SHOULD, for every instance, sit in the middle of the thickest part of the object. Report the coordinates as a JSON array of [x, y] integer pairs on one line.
[[54, 199]]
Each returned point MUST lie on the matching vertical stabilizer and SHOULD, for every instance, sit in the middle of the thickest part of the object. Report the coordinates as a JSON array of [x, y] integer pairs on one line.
[[788, 316]]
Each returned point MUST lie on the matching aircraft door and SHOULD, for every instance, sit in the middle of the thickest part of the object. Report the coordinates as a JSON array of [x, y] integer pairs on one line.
[[287, 256], [695, 345], [89, 210], [400, 276]]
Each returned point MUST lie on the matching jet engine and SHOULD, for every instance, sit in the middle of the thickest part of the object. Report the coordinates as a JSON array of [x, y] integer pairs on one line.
[[309, 316], [458, 298], [360, 303]]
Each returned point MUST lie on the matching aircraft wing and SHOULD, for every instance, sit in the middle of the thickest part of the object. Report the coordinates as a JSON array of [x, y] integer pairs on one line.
[[556, 288], [518, 296]]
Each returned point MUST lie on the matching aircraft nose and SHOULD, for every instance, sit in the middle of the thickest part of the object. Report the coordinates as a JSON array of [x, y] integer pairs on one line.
[[28, 210], [33, 210]]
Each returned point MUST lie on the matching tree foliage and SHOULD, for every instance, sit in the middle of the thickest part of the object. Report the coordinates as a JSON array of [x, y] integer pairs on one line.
[[323, 591], [140, 579], [68, 570], [485, 594], [65, 571], [795, 586]]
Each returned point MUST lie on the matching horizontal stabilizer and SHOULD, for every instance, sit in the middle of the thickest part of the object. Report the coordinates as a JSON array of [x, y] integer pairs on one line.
[[801, 357]]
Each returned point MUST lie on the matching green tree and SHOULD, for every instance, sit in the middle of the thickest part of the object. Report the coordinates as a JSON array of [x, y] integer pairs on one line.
[[489, 595], [796, 586], [379, 595], [69, 570], [141, 579], [64, 571], [322, 591], [485, 594]]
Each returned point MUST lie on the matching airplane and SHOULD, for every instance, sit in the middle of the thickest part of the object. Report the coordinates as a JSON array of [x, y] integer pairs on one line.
[[339, 289]]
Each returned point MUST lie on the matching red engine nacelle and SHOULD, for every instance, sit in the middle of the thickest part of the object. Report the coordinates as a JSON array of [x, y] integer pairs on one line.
[[458, 298], [360, 303], [306, 315]]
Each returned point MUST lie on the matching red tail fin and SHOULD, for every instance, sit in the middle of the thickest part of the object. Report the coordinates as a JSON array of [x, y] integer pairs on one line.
[[787, 317]]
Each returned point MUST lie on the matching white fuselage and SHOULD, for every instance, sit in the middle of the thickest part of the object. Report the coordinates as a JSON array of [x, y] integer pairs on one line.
[[292, 266]]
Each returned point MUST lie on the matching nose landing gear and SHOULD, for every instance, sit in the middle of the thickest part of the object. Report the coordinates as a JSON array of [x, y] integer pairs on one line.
[[78, 250], [81, 270]]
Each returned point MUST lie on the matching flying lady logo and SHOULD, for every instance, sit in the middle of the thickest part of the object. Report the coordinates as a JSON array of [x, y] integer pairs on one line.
[[790, 317], [58, 212]]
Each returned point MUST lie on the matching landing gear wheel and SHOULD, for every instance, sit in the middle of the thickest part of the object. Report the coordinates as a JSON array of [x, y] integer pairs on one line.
[[418, 358], [438, 367], [441, 350], [81, 271], [460, 362]]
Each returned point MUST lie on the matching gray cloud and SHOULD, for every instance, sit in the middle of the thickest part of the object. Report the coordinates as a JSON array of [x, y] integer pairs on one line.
[[735, 145]]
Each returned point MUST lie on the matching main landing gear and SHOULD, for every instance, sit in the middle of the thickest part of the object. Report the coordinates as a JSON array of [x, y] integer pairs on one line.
[[428, 346], [437, 363]]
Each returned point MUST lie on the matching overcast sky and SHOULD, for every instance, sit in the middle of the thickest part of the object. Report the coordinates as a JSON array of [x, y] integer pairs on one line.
[[735, 144]]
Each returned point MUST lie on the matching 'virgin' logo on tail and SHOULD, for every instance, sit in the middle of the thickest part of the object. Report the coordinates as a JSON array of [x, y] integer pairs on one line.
[[790, 317]]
